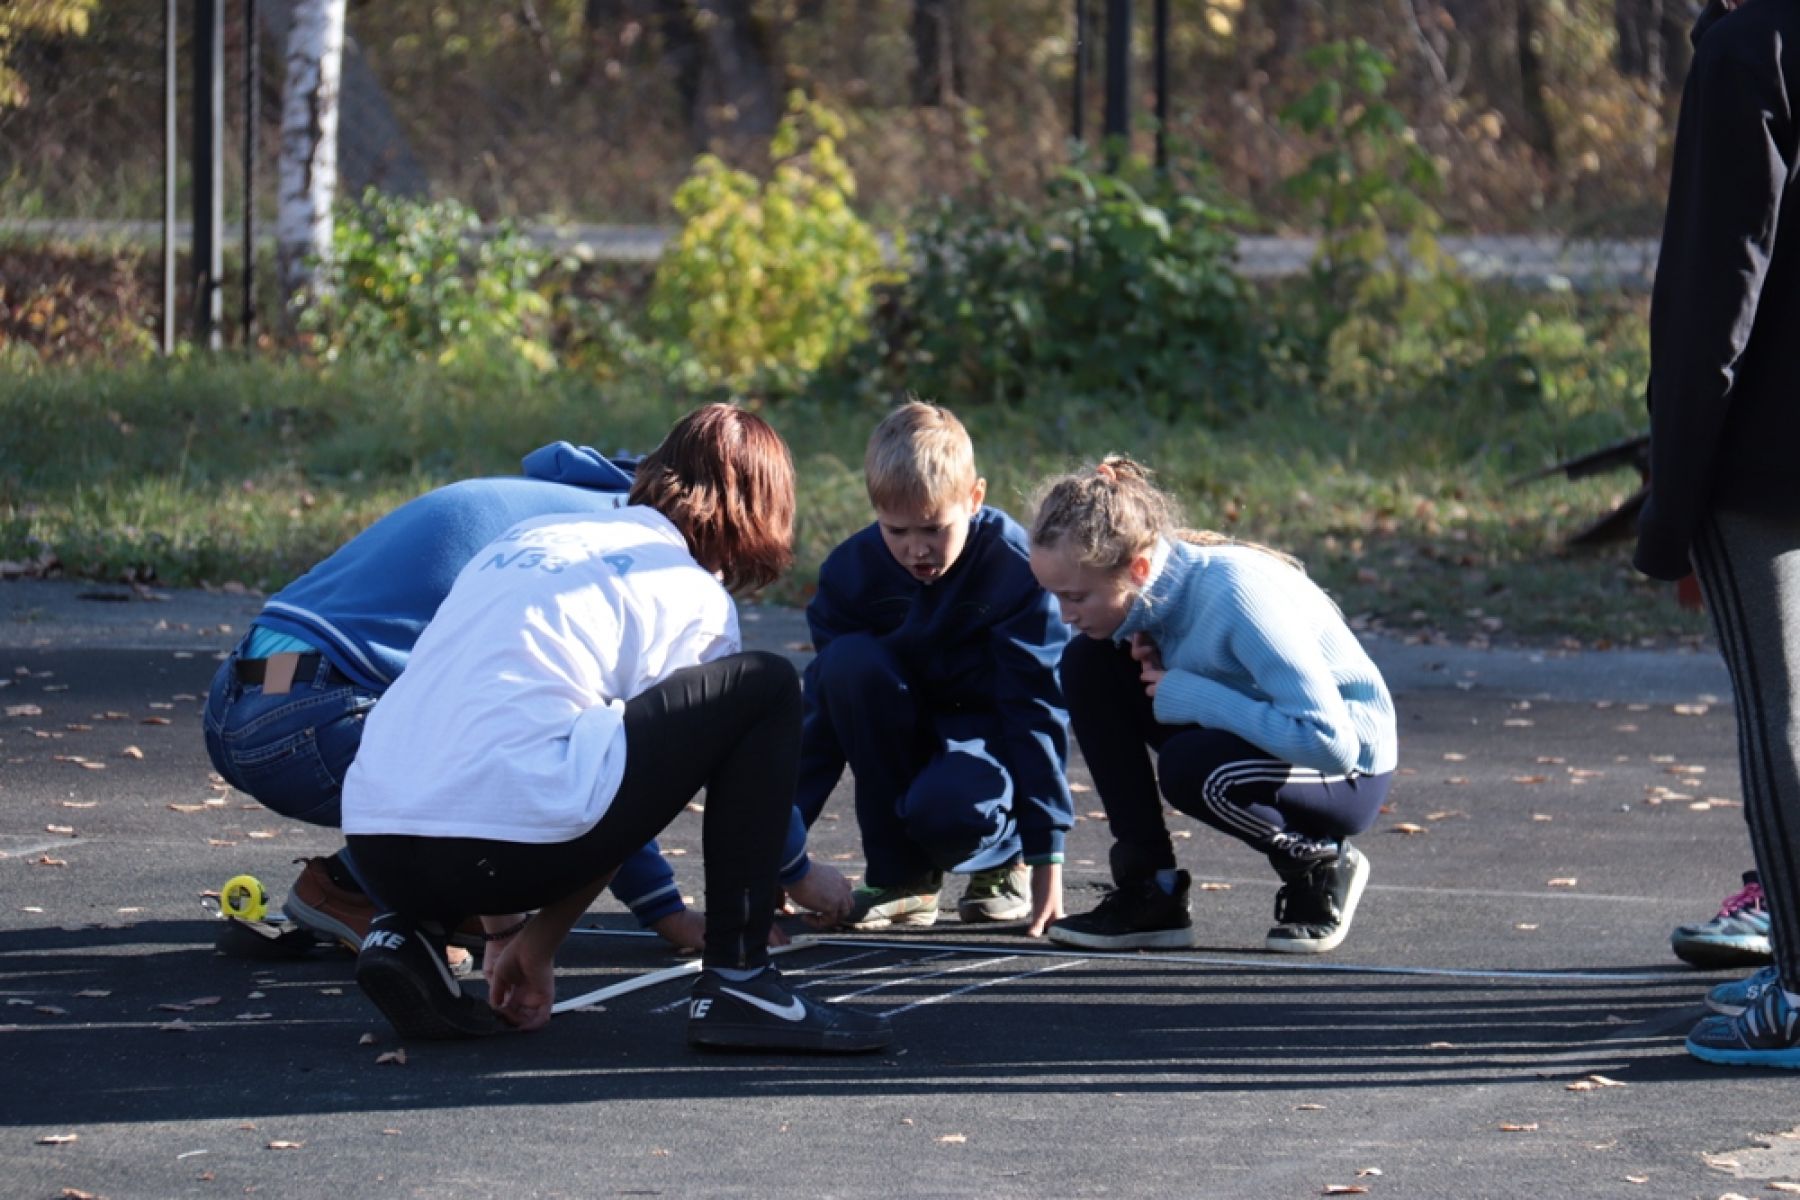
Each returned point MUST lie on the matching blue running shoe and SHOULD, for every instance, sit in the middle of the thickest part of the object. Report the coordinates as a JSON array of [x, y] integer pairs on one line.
[[1737, 937], [1767, 1034], [1734, 997]]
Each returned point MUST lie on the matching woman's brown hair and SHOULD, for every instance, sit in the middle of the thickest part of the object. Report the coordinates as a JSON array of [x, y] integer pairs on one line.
[[726, 479]]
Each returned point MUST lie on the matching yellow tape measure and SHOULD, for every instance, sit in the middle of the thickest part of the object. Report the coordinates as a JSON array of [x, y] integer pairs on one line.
[[243, 897]]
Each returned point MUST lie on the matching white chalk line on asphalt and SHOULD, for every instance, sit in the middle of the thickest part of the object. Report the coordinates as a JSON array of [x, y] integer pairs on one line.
[[1270, 963]]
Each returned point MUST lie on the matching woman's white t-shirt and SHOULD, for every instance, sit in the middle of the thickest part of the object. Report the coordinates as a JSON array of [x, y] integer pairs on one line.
[[507, 722]]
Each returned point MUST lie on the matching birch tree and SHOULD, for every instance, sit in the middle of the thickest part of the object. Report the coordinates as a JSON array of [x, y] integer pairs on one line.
[[309, 134]]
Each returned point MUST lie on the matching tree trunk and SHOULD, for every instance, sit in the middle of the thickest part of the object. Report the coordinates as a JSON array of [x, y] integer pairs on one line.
[[373, 150], [937, 77], [309, 128], [1287, 21], [738, 94], [1540, 134]]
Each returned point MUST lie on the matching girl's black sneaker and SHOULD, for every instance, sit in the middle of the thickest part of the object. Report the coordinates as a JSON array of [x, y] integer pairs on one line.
[[1139, 916]]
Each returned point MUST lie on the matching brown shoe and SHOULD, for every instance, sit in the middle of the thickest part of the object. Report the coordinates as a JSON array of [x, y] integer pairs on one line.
[[331, 905], [333, 910]]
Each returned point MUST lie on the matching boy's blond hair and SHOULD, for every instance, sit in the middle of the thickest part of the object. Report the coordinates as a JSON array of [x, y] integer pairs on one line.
[[919, 458]]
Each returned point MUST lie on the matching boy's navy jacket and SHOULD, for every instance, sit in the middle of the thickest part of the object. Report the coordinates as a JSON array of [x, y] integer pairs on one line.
[[983, 638], [366, 605], [1724, 389]]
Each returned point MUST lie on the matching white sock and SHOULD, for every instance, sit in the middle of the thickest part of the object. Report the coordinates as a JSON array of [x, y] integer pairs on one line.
[[738, 974]]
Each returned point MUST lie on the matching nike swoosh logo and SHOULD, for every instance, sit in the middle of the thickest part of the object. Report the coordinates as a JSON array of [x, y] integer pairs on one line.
[[793, 1010]]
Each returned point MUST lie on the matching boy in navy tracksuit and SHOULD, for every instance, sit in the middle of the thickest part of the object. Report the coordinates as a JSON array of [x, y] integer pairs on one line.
[[285, 715], [936, 682]]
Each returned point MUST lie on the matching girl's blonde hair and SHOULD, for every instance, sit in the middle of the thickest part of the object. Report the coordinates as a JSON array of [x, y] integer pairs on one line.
[[1111, 513]]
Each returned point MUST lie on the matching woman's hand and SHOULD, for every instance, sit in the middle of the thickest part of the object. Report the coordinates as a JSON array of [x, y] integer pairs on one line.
[[522, 981], [1046, 898]]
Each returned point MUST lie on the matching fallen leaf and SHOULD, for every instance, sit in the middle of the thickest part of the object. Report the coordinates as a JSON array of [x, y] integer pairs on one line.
[[1309, 1108], [953, 1139], [1637, 1179], [80, 803], [24, 710], [131, 752], [1344, 1189], [1214, 887], [58, 1139], [367, 1039], [1453, 756], [1096, 816], [1782, 1185], [1366, 1172], [1692, 710], [1567, 881], [1408, 828], [154, 721], [1519, 722], [187, 808], [1525, 927], [269, 833], [395, 1057], [51, 1010], [68, 829], [1530, 779], [44, 860], [286, 1145], [1510, 1127]]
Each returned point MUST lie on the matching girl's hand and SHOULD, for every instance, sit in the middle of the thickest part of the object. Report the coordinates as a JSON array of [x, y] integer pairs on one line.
[[1150, 662]]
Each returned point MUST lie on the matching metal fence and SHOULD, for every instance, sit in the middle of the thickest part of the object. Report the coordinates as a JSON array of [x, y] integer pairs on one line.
[[582, 116]]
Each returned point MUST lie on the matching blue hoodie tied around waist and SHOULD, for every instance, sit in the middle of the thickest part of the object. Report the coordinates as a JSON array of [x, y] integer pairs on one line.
[[365, 606]]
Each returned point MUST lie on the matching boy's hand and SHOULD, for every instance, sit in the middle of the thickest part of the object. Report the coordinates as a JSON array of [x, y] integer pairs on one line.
[[1046, 898], [684, 930], [1150, 662], [825, 892]]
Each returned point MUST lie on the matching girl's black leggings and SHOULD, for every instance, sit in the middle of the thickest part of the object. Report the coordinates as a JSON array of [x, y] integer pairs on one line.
[[731, 727], [1217, 777]]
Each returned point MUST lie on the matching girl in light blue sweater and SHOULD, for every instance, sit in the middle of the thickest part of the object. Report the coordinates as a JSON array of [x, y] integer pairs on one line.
[[1268, 719]]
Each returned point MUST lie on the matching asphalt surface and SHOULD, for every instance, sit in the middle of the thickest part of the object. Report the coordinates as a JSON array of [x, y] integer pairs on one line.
[[1504, 1020]]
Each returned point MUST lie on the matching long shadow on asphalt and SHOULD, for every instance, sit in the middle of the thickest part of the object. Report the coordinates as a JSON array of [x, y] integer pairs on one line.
[[150, 1025]]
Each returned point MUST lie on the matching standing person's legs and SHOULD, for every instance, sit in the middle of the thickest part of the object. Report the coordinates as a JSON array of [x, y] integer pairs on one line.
[[1749, 569]]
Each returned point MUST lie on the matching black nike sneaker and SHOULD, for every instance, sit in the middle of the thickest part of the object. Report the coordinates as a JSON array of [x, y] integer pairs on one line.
[[762, 1013], [401, 968]]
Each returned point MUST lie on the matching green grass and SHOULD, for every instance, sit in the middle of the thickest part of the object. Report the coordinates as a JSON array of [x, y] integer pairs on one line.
[[203, 472]]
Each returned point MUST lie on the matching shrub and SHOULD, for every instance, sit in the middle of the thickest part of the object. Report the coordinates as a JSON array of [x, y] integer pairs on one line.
[[1105, 289], [408, 279], [770, 279]]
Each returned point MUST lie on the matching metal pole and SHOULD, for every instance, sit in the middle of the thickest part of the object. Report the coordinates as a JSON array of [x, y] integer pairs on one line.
[[171, 148], [1161, 66], [252, 98], [209, 162], [1081, 69], [1118, 79]]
